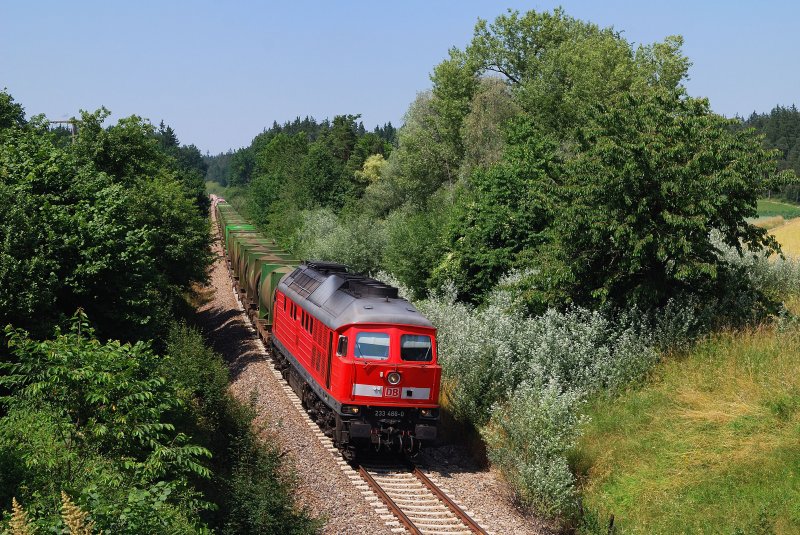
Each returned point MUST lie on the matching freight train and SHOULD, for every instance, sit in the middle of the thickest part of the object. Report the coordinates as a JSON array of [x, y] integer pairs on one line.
[[361, 359]]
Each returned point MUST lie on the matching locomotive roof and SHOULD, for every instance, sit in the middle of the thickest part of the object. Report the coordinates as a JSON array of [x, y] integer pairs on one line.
[[337, 297]]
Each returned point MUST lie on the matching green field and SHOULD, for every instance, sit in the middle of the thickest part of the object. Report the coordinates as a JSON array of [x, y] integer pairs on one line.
[[773, 208]]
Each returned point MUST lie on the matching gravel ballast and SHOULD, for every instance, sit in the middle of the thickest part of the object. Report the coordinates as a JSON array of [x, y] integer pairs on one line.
[[324, 485]]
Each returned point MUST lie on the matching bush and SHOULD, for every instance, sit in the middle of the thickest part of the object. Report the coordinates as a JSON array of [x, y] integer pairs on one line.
[[776, 278], [528, 439], [260, 493], [520, 379], [252, 487], [92, 420], [415, 242], [106, 223], [490, 351]]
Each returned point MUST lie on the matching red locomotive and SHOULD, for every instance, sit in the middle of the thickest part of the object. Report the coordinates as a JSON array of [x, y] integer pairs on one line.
[[362, 360]]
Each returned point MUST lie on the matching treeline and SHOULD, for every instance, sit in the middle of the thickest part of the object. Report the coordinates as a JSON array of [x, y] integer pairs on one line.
[[113, 223], [781, 130], [239, 168], [569, 210], [114, 416]]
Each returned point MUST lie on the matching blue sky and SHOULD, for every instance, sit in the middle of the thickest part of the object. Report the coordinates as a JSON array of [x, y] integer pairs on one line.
[[219, 72]]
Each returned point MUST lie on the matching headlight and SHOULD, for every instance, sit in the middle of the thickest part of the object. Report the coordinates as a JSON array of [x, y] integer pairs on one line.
[[393, 378], [428, 413], [350, 409]]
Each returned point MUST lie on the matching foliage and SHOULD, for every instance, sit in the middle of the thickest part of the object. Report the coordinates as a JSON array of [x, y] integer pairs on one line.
[[106, 223], [11, 113], [781, 130], [528, 439], [557, 151], [649, 181], [354, 240], [90, 419], [251, 488], [561, 67], [259, 490], [421, 164], [491, 351], [504, 213], [415, 241], [492, 106]]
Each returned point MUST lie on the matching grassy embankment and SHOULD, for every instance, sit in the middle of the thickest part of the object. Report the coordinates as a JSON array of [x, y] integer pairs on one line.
[[712, 443]]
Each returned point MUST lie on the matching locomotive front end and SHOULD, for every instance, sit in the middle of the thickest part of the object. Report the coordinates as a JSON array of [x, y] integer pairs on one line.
[[394, 392]]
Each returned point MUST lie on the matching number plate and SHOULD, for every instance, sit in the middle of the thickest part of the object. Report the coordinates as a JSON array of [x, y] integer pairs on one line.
[[389, 413]]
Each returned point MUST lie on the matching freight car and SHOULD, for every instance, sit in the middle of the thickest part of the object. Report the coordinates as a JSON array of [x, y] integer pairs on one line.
[[361, 359]]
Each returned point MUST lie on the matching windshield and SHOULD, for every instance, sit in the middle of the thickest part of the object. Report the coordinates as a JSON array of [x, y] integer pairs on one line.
[[415, 347], [372, 346]]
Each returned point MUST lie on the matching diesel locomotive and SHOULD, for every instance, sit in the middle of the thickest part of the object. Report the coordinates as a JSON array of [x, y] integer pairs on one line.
[[362, 360]]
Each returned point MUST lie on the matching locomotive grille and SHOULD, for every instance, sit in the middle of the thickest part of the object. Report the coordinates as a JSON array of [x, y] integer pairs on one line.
[[319, 335], [316, 359]]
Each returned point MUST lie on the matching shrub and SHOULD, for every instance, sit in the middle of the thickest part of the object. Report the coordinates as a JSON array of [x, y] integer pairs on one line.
[[252, 490], [777, 278], [260, 493], [91, 419], [415, 242], [528, 439], [521, 379], [490, 351]]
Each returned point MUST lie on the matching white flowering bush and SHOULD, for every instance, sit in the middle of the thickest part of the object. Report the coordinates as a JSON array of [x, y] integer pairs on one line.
[[490, 351], [528, 439], [521, 379]]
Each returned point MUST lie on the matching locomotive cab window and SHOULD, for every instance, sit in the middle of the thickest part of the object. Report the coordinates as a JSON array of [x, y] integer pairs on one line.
[[341, 348], [372, 346], [416, 347]]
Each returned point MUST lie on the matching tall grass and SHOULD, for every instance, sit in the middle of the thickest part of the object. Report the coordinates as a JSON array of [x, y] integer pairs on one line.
[[708, 446]]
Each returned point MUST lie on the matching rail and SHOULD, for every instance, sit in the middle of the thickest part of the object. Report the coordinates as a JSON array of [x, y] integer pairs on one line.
[[416, 501]]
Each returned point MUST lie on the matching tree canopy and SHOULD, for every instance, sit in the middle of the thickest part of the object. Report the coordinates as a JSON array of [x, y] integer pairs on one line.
[[109, 223]]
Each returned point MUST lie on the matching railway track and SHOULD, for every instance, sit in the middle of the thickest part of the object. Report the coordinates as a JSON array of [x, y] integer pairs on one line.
[[405, 498], [418, 503]]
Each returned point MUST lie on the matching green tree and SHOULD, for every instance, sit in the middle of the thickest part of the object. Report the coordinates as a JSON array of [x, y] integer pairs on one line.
[[421, 164], [105, 224], [505, 213], [11, 113], [561, 67], [650, 180], [483, 129]]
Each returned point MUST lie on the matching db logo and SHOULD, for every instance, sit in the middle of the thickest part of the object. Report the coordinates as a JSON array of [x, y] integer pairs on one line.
[[391, 392]]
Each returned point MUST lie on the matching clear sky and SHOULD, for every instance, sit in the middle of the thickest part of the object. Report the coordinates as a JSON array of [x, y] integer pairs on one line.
[[220, 72]]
